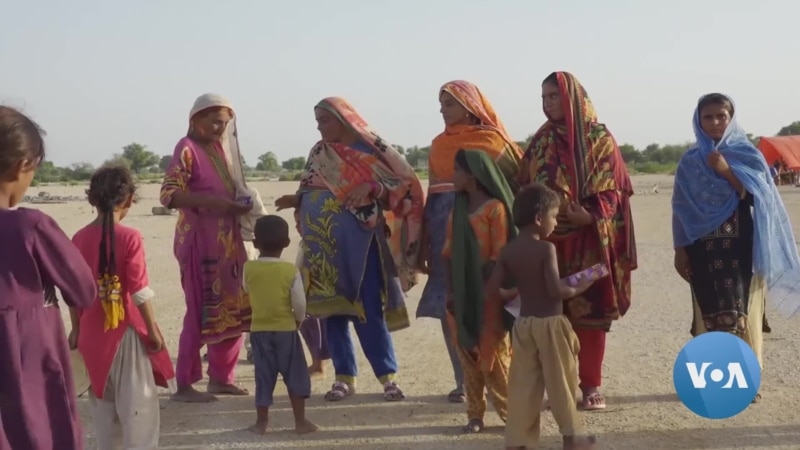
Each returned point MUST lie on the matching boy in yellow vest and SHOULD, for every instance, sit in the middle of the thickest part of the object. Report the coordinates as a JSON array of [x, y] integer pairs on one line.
[[278, 301]]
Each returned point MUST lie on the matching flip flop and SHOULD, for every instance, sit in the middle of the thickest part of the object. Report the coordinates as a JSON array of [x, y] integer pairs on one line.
[[593, 402], [456, 396]]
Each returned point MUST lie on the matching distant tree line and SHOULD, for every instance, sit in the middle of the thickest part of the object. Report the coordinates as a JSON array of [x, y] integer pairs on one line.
[[654, 158]]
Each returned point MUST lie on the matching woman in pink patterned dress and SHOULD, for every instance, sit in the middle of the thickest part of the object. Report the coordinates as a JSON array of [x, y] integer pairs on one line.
[[202, 183]]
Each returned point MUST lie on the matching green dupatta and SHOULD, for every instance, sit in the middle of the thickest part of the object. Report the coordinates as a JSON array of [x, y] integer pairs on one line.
[[466, 267]]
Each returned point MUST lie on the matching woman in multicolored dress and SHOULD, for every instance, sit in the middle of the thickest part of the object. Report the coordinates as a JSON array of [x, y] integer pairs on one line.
[[361, 210], [732, 235], [470, 123], [204, 181], [578, 158]]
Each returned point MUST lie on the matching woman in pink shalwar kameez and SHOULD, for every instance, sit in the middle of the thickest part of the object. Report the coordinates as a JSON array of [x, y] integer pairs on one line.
[[203, 182]]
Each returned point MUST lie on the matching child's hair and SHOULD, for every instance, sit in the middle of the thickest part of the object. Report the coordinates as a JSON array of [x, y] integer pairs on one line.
[[20, 139], [715, 99], [271, 233], [534, 200], [109, 188], [461, 162]]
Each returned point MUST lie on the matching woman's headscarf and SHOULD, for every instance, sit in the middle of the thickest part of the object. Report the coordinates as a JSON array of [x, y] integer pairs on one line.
[[576, 156], [406, 196], [233, 157], [702, 200], [489, 136], [466, 271]]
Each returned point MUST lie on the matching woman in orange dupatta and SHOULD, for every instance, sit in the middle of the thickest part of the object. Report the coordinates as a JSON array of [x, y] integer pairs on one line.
[[578, 157], [470, 123], [353, 272]]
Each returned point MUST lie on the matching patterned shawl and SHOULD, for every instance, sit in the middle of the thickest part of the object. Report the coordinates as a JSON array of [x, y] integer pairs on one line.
[[702, 200], [489, 136], [575, 156], [340, 168]]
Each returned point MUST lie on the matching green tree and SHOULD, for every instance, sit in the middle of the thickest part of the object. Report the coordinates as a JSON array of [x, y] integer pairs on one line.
[[117, 160], [79, 172], [163, 164], [139, 156], [268, 162], [790, 130], [294, 164]]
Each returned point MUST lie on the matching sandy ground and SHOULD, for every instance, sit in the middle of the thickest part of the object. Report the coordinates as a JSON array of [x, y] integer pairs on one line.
[[643, 411]]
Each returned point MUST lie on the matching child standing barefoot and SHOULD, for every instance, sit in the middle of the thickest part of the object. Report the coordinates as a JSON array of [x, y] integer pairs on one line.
[[545, 349], [278, 301], [117, 336], [38, 410], [479, 228]]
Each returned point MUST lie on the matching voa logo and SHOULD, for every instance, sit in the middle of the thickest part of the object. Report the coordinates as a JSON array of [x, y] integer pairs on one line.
[[716, 375], [734, 372]]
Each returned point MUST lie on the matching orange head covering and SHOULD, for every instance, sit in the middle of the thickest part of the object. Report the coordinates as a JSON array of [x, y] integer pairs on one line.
[[489, 136]]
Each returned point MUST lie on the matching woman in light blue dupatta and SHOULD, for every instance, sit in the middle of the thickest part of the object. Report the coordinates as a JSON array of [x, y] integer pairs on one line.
[[732, 236]]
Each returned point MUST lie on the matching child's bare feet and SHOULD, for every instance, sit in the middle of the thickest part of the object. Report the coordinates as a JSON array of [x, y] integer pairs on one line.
[[305, 427], [473, 426], [258, 428], [579, 443], [189, 394]]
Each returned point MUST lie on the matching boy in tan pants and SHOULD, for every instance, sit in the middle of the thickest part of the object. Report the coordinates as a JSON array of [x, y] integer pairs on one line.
[[545, 349]]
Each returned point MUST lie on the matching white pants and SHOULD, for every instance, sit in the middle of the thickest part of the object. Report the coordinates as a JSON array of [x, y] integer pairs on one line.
[[131, 395]]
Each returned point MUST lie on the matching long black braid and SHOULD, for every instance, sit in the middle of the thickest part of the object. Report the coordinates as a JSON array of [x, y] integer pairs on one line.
[[109, 188]]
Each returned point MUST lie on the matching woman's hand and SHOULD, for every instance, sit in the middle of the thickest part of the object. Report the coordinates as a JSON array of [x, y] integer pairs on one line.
[[287, 201], [578, 215], [359, 195], [682, 265], [718, 162], [225, 205]]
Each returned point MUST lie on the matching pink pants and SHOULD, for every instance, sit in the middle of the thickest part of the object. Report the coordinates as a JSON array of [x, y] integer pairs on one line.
[[222, 356]]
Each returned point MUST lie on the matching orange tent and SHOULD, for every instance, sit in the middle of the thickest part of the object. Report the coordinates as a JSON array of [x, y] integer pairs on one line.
[[786, 148]]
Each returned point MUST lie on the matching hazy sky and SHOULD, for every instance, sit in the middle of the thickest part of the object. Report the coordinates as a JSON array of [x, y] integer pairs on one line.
[[98, 75]]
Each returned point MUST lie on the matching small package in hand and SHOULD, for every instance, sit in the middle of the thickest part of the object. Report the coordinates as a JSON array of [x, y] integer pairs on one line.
[[593, 273], [244, 200]]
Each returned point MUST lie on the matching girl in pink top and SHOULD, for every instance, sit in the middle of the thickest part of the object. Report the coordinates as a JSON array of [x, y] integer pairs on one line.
[[117, 336]]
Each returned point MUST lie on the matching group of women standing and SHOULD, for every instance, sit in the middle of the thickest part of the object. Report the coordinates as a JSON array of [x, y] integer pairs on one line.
[[368, 229]]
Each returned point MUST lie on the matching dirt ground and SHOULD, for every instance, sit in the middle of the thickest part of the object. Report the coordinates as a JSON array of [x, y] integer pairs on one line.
[[643, 411]]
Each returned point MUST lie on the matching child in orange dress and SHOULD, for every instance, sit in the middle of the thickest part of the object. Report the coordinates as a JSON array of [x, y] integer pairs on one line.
[[479, 228]]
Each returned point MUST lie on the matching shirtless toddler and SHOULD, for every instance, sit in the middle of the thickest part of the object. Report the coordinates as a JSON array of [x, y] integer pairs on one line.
[[544, 345]]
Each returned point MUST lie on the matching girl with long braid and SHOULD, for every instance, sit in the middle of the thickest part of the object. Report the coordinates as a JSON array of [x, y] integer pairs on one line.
[[117, 336]]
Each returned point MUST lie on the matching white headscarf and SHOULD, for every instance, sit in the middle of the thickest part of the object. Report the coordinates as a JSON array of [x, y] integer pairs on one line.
[[230, 147]]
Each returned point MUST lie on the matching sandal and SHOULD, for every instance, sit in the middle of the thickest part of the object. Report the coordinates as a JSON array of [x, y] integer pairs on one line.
[[473, 426], [392, 392], [593, 402], [456, 396], [339, 391]]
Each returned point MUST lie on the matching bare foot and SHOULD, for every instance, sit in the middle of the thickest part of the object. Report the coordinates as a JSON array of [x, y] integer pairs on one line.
[[258, 428], [473, 426], [579, 443], [191, 395], [316, 369], [305, 427], [215, 387]]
